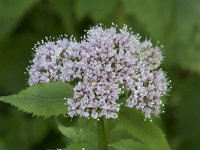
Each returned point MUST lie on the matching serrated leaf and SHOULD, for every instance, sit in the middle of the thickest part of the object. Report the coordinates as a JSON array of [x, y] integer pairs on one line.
[[44, 100], [132, 121]]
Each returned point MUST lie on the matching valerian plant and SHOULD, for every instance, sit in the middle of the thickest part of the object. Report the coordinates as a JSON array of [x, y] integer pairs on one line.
[[109, 85]]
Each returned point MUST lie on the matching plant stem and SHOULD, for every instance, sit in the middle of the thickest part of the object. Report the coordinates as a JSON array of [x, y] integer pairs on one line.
[[102, 140], [108, 129]]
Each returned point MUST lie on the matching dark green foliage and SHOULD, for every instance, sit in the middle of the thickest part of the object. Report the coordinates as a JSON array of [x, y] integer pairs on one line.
[[175, 24], [147, 134], [129, 130], [11, 13]]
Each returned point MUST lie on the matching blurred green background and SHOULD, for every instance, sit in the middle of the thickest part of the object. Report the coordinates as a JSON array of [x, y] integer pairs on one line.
[[175, 23]]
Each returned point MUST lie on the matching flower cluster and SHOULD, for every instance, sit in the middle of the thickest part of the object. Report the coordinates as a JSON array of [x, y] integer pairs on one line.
[[104, 64], [46, 62]]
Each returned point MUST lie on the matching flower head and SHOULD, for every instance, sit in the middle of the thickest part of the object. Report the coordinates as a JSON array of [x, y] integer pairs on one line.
[[46, 62], [103, 64]]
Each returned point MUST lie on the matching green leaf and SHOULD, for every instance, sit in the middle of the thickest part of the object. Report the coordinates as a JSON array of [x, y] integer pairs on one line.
[[11, 12], [70, 132], [44, 100], [81, 134], [146, 132], [128, 144]]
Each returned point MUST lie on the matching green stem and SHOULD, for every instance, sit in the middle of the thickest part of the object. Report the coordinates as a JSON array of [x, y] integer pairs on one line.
[[109, 126], [102, 140]]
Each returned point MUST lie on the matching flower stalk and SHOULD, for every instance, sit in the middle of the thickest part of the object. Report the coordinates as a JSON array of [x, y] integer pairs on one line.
[[102, 138]]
